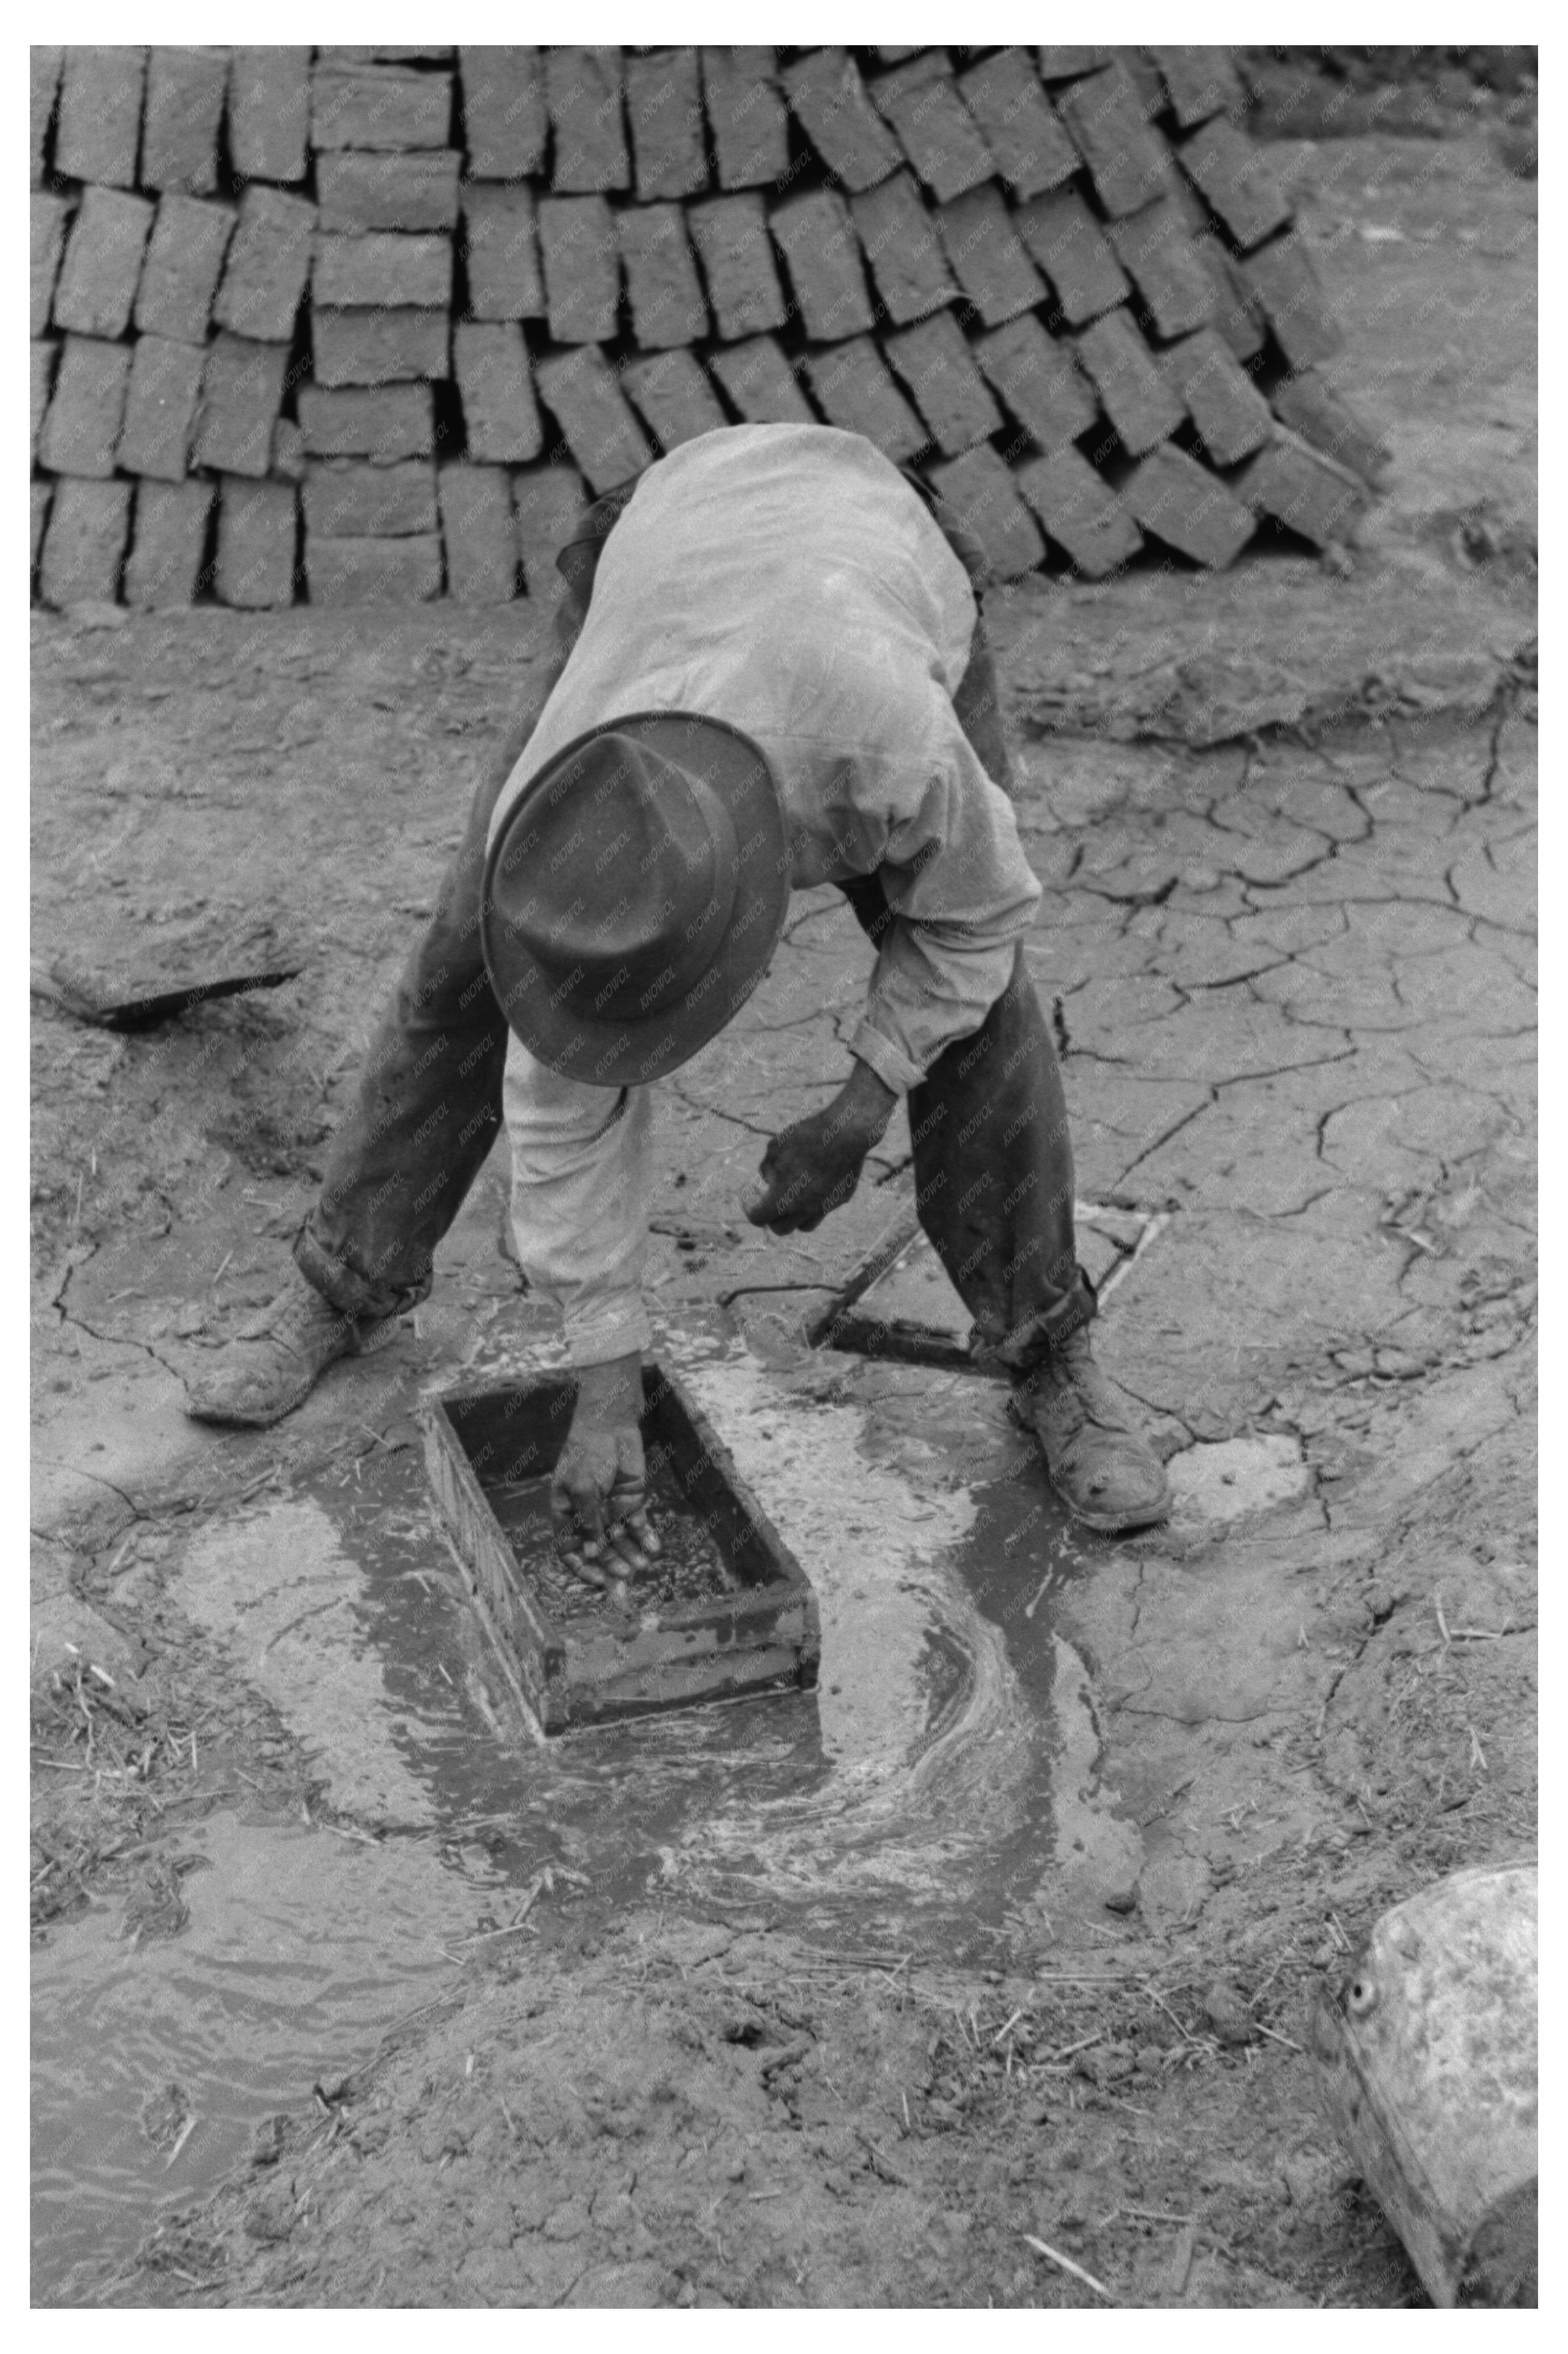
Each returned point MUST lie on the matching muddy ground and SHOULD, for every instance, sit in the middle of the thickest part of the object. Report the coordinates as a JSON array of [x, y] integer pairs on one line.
[[1012, 1928]]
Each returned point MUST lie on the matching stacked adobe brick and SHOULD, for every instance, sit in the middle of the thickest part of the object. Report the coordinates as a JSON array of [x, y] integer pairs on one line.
[[366, 323]]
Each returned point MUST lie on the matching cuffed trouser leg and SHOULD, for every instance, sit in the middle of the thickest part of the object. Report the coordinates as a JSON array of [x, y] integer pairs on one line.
[[993, 1171], [426, 1113]]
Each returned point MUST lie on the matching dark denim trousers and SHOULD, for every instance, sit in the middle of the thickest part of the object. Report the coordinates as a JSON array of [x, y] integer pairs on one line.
[[994, 1160]]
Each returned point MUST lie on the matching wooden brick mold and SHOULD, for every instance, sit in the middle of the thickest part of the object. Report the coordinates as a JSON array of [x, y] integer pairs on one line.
[[1062, 280], [731, 1610]]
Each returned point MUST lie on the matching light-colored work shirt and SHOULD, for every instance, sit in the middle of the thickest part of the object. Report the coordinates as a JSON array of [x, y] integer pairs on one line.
[[786, 578]]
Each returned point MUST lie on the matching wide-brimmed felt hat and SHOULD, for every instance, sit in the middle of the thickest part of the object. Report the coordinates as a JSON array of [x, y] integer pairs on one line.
[[634, 895]]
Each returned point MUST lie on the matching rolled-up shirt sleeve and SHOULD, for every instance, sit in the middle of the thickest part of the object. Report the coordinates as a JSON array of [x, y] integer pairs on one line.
[[963, 895], [581, 1171]]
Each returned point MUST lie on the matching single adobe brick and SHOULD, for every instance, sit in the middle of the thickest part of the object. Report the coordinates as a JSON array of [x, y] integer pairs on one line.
[[1310, 407], [1148, 88], [479, 533], [1155, 247], [418, 191], [580, 390], [1038, 379], [1065, 63], [939, 369], [391, 422], [41, 358], [390, 53], [241, 394], [380, 347], [160, 409], [257, 534], [760, 383], [373, 571], [1180, 502], [987, 259], [934, 129], [50, 217], [582, 268], [549, 503], [901, 243], [42, 498], [389, 108], [817, 237], [1128, 161], [505, 124], [1137, 400], [1068, 242], [185, 260], [501, 249], [1285, 282], [397, 420], [1020, 126], [1297, 488], [179, 130], [828, 99], [1079, 511], [857, 395], [100, 125], [674, 397], [102, 261], [267, 263], [168, 544], [270, 112], [500, 413], [382, 268], [289, 460], [730, 233], [88, 409], [349, 498], [1201, 82], [666, 116], [746, 116], [983, 494], [1236, 315], [1232, 415], [667, 306], [85, 544], [43, 69], [1236, 180], [583, 87]]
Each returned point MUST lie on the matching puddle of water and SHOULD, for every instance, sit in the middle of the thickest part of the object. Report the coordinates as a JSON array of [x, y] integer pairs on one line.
[[941, 1778], [916, 1781], [301, 1950], [282, 1592]]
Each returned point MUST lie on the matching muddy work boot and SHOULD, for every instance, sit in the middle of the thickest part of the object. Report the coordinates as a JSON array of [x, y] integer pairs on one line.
[[275, 1360], [1097, 1458]]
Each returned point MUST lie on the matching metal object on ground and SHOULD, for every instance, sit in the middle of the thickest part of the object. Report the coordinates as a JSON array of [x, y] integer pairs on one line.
[[1427, 2051], [728, 1609], [901, 1303], [146, 1009], [140, 977]]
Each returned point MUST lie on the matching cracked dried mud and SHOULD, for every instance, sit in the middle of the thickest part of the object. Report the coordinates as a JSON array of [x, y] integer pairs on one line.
[[349, 1992]]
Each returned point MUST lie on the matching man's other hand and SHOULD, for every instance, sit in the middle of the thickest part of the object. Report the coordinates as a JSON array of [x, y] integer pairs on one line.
[[815, 1166], [598, 1490]]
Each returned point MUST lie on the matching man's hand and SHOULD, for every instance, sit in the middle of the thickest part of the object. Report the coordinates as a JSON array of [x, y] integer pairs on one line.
[[598, 1493], [815, 1166]]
